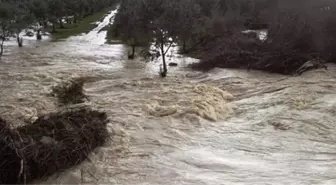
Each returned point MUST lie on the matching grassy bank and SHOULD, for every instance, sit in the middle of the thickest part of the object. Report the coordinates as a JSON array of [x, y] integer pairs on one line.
[[83, 26]]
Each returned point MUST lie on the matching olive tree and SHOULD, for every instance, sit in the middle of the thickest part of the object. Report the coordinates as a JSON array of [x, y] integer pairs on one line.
[[132, 25], [6, 15], [22, 18]]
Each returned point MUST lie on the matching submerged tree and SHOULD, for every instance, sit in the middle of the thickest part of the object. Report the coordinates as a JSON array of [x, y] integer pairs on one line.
[[162, 27], [188, 20], [39, 9], [21, 19], [132, 24], [56, 9]]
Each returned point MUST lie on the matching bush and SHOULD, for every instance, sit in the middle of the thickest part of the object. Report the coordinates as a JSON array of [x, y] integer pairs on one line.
[[70, 92], [52, 144]]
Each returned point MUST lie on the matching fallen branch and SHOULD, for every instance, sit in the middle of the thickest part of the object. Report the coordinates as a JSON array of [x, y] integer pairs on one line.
[[52, 144]]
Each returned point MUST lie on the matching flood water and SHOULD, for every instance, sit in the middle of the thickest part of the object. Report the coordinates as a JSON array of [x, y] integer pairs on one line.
[[191, 128]]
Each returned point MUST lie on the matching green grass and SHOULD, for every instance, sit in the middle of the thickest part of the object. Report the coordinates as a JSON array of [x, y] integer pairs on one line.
[[83, 26]]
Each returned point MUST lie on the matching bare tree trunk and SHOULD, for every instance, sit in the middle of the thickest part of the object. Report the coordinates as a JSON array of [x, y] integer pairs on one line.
[[1, 46], [116, 31], [19, 40], [164, 72], [68, 20], [184, 46], [38, 35], [133, 52], [54, 28], [61, 24]]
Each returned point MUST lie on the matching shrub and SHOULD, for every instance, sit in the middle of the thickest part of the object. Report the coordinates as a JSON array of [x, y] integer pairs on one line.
[[70, 92]]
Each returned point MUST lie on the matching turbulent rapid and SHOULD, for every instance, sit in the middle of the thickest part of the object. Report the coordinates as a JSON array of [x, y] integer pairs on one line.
[[220, 127]]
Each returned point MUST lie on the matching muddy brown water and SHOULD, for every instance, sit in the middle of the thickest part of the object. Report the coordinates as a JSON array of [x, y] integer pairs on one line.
[[222, 127]]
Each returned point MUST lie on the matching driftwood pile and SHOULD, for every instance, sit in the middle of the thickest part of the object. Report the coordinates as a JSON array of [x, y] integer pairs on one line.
[[52, 144]]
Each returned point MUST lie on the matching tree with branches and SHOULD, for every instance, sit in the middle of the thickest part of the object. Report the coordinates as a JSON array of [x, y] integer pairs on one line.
[[6, 14]]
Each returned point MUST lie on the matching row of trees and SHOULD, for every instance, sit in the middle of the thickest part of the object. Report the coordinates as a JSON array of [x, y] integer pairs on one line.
[[298, 31], [16, 15], [190, 23]]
